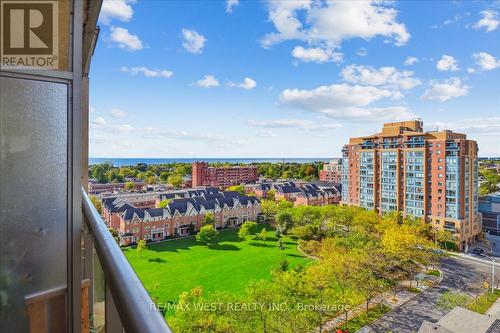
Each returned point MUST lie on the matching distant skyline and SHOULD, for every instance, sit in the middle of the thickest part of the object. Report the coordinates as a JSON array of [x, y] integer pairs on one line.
[[289, 79]]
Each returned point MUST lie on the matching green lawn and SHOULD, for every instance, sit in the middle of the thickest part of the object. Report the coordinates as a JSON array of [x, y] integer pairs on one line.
[[168, 268], [364, 319], [485, 301]]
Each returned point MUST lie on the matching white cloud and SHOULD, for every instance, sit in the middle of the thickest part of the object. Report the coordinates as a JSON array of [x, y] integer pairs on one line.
[[362, 52], [445, 90], [388, 77], [208, 81], [471, 70], [247, 84], [116, 9], [409, 61], [293, 123], [316, 54], [192, 41], [344, 101], [480, 125], [454, 19], [489, 21], [147, 72], [329, 23], [98, 121], [447, 63], [486, 61], [117, 113], [125, 40], [230, 4], [92, 109]]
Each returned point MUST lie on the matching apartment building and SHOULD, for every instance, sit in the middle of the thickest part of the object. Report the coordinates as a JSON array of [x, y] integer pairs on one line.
[[203, 175], [332, 171], [181, 217], [433, 175]]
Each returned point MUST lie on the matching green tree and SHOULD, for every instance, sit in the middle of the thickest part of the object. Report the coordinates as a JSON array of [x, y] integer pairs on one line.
[[247, 229], [115, 235], [237, 188], [284, 265], [207, 234], [175, 180], [129, 186], [97, 203], [141, 246], [280, 244], [263, 234], [164, 203], [209, 219], [284, 221], [271, 194]]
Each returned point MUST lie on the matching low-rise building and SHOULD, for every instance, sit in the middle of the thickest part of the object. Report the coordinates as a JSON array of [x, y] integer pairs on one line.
[[96, 188], [489, 207], [300, 193], [183, 215], [461, 320]]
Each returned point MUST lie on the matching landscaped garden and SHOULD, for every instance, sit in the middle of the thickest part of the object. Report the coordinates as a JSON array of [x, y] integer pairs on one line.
[[171, 267]]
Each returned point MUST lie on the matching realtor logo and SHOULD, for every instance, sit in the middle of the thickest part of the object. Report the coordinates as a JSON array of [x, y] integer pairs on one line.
[[29, 36]]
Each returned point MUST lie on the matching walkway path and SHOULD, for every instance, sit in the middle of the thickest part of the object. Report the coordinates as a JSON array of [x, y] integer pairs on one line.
[[457, 273]]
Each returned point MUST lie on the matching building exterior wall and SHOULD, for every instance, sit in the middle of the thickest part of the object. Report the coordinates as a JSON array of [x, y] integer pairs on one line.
[[432, 175], [162, 227], [203, 175], [332, 172]]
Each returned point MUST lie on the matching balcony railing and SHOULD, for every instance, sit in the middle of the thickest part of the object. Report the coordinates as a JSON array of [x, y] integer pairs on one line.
[[124, 304]]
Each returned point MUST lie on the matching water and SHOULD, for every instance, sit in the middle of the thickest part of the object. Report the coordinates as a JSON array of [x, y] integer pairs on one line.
[[133, 161]]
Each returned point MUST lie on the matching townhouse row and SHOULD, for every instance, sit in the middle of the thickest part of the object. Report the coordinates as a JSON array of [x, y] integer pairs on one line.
[[182, 215]]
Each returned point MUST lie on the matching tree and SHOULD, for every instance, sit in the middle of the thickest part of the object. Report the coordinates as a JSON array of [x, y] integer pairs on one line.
[[209, 218], [141, 246], [97, 203], [115, 235], [284, 221], [280, 244], [248, 228], [447, 239], [238, 188], [175, 180], [263, 234], [284, 265], [151, 180], [164, 203], [207, 234], [129, 186], [270, 195]]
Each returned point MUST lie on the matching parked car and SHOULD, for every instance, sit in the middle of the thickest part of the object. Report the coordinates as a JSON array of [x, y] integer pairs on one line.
[[478, 251]]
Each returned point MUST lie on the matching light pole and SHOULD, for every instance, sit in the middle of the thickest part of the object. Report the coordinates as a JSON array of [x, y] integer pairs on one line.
[[492, 270]]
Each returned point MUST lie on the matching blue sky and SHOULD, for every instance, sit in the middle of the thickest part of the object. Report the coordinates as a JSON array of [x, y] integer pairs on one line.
[[289, 78]]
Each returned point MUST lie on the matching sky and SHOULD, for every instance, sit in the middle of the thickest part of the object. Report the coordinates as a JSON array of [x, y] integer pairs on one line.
[[289, 79]]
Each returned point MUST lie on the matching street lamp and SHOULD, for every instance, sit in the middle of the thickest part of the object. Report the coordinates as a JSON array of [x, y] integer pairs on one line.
[[492, 270]]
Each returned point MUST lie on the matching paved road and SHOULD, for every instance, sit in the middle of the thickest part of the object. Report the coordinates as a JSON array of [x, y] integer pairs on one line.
[[409, 317]]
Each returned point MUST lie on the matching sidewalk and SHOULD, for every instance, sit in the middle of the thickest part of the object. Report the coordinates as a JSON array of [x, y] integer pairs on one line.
[[494, 309], [387, 298]]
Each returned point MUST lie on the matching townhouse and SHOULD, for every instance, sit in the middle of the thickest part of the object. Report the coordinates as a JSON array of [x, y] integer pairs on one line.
[[182, 216]]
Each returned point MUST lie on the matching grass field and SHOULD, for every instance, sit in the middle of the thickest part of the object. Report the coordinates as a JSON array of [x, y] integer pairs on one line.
[[168, 268]]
